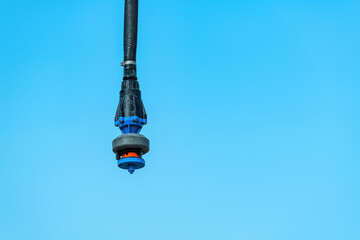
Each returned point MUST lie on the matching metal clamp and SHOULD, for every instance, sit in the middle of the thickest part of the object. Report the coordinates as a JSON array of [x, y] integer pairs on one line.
[[129, 62]]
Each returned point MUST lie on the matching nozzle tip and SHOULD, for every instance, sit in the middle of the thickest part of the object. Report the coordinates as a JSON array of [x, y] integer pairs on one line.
[[131, 169]]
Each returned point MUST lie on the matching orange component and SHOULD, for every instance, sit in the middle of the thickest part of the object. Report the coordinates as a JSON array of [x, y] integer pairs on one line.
[[130, 154]]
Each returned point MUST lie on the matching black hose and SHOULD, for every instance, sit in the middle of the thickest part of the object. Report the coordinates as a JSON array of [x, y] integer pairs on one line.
[[130, 30]]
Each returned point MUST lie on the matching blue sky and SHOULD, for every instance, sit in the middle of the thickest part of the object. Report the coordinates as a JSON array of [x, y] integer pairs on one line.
[[253, 110]]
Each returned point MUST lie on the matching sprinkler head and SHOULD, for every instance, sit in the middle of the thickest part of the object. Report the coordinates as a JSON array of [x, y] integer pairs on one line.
[[129, 149]]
